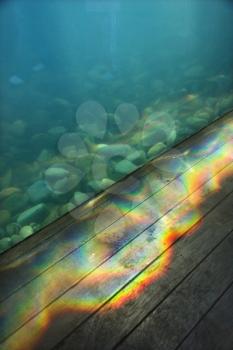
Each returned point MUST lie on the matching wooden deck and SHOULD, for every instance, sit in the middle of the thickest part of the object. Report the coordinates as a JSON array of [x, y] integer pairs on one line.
[[146, 265]]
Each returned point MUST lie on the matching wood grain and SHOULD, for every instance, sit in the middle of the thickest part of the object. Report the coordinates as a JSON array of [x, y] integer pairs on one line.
[[167, 325], [108, 326], [215, 329]]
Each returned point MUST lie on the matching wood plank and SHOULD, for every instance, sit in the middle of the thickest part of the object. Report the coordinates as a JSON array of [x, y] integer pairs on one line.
[[106, 290], [28, 268], [74, 234], [215, 329], [105, 329], [168, 324]]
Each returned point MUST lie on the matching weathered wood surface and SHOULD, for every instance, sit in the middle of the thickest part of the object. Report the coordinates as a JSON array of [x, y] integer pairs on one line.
[[215, 330], [107, 327], [168, 324]]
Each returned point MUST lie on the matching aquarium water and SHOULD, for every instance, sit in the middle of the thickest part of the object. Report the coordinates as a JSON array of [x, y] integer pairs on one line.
[[91, 90]]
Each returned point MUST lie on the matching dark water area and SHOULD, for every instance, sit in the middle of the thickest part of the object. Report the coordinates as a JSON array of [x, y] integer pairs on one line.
[[91, 90]]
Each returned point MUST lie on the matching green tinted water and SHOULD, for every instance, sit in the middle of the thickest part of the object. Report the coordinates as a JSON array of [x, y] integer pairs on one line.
[[92, 90]]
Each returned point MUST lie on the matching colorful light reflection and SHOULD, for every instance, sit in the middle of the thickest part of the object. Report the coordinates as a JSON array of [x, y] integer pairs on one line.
[[94, 273]]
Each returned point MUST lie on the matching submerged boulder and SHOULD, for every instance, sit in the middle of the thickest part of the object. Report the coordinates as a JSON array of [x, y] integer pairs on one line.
[[4, 217], [99, 185], [125, 167], [137, 157], [26, 231], [35, 214], [196, 122], [16, 239], [5, 243], [16, 202], [156, 150], [115, 150], [38, 191], [56, 172], [79, 198]]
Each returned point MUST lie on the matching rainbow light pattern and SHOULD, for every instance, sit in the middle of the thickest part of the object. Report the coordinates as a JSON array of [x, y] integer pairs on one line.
[[142, 238]]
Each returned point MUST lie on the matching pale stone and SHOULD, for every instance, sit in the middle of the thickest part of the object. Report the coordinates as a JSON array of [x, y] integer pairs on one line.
[[125, 167], [156, 149], [35, 214], [26, 231]]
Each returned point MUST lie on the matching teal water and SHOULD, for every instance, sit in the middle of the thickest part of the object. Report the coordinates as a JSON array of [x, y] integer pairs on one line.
[[92, 90]]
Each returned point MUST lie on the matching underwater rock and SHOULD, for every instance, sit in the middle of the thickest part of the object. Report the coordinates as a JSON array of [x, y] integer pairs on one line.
[[137, 157], [84, 162], [153, 135], [183, 132], [71, 145], [16, 202], [35, 214], [12, 228], [64, 185], [38, 192], [4, 217], [99, 168], [57, 130], [100, 72], [110, 151], [156, 150], [66, 208], [196, 122], [158, 127], [6, 178], [56, 173], [5, 243], [9, 191], [225, 104], [16, 239], [60, 103], [38, 67], [126, 117], [99, 185], [91, 118], [44, 156], [26, 231], [35, 226], [15, 80], [80, 197], [125, 167], [53, 215], [192, 101], [148, 110], [106, 183], [219, 83], [25, 172], [211, 103], [95, 185], [204, 115]]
